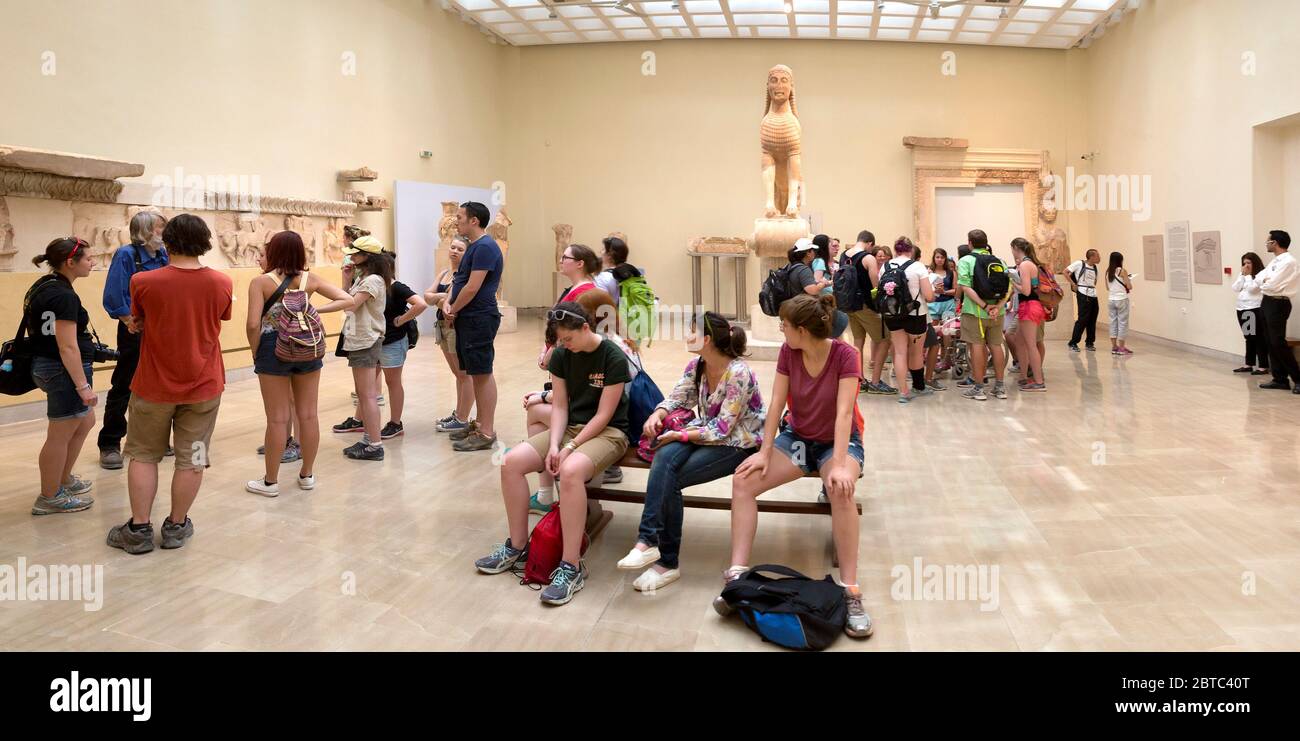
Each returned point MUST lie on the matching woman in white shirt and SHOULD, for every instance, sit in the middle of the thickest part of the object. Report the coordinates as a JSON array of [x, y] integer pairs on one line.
[[1119, 285], [1249, 315], [907, 333]]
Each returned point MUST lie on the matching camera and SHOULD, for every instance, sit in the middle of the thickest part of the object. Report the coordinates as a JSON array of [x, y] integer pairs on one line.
[[104, 353]]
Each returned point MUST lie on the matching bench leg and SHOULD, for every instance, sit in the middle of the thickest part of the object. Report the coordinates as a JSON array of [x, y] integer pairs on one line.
[[597, 518]]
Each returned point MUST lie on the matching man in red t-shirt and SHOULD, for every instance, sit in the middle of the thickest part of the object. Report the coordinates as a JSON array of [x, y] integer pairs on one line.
[[178, 383]]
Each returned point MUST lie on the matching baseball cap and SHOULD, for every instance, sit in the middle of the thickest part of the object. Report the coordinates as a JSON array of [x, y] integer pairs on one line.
[[364, 244], [803, 244]]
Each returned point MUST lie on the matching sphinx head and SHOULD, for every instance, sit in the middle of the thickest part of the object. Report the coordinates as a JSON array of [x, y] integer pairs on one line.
[[780, 86]]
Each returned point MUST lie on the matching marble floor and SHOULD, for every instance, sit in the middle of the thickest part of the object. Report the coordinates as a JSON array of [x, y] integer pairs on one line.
[[1145, 503]]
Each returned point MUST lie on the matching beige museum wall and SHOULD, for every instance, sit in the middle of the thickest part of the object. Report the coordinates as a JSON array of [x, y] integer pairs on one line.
[[254, 88], [663, 158], [1168, 97]]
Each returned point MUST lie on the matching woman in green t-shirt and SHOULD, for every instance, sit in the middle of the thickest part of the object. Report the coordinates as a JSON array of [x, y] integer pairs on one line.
[[587, 434]]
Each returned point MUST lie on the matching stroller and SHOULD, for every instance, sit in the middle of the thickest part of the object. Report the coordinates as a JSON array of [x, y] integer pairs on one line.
[[958, 355]]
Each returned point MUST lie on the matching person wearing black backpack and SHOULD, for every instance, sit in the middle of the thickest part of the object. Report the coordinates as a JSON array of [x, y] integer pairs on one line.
[[865, 321], [146, 252], [62, 350], [985, 286], [905, 289]]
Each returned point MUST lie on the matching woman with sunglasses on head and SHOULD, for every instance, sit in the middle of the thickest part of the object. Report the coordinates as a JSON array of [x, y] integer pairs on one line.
[[587, 433], [289, 389], [63, 350], [600, 306], [369, 272], [728, 427], [817, 381]]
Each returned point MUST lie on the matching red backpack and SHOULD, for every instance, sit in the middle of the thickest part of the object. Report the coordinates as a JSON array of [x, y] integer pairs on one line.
[[546, 548], [299, 334]]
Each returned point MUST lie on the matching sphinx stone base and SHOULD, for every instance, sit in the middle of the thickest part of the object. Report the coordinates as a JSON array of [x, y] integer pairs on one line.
[[775, 237]]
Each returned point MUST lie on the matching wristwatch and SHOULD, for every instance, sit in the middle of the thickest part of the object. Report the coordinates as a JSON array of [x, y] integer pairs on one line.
[[571, 445]]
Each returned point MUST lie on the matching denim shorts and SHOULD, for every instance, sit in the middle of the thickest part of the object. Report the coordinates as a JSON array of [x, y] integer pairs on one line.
[[61, 398], [393, 355], [942, 311], [266, 363], [811, 455], [475, 336]]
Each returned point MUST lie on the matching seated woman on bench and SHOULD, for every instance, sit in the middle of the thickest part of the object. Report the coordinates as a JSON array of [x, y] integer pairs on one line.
[[727, 429], [817, 380], [537, 405], [588, 433]]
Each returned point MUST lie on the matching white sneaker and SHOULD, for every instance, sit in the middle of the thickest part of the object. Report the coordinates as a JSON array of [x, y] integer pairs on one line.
[[307, 482], [652, 580], [639, 559], [259, 486]]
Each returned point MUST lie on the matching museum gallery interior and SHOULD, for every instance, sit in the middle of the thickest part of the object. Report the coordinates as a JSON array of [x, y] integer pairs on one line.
[[1075, 213]]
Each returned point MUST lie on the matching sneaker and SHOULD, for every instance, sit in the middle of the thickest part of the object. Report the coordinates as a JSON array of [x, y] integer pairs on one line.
[[613, 475], [906, 398], [566, 581], [1074, 348], [351, 424], [391, 430], [110, 460], [1031, 387], [174, 536], [259, 486], [936, 386], [307, 483], [1125, 351], [1089, 348], [966, 382], [451, 423], [885, 388], [536, 507], [975, 392], [732, 573], [78, 486], [502, 558], [859, 623], [639, 559], [131, 541], [1014, 368], [61, 503], [292, 452], [464, 432], [927, 391], [1283, 385], [864, 387], [652, 581], [999, 391], [475, 441], [364, 452]]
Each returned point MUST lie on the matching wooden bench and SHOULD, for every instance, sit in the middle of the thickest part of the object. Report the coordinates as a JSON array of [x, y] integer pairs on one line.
[[598, 517]]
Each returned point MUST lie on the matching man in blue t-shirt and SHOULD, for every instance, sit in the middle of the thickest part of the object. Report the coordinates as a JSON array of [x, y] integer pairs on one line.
[[474, 314], [146, 252]]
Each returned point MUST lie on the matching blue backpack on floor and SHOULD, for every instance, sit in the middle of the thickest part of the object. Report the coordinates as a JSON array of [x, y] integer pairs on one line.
[[795, 611]]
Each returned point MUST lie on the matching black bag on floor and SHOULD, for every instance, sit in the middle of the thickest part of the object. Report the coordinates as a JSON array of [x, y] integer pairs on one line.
[[795, 611]]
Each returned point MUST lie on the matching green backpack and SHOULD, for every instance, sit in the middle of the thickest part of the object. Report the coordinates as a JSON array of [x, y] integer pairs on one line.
[[636, 305]]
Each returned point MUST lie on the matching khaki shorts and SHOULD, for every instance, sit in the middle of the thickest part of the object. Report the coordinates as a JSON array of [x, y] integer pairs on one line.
[[150, 424], [604, 450], [866, 323], [444, 335], [970, 330]]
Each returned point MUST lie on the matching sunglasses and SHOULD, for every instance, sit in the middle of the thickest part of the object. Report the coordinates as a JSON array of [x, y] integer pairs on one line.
[[555, 315]]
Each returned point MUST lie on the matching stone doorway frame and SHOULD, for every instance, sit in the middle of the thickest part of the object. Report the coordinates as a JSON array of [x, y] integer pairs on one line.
[[945, 162]]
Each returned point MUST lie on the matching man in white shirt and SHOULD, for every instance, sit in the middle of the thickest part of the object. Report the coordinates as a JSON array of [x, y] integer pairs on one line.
[[1278, 282], [1083, 276]]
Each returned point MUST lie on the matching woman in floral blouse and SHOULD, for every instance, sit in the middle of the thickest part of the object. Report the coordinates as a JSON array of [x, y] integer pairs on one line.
[[724, 394]]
